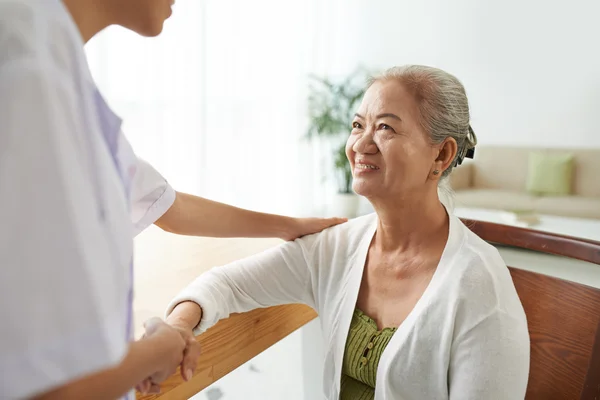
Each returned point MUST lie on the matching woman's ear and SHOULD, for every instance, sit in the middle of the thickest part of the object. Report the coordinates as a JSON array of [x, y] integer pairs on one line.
[[447, 152]]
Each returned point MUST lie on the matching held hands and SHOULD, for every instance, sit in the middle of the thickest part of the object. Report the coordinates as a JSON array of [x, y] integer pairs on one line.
[[305, 226], [176, 346]]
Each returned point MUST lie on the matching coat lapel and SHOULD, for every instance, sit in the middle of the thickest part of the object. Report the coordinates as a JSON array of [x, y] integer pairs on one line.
[[349, 297]]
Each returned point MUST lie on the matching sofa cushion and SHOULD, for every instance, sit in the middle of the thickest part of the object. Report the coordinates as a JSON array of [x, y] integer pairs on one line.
[[587, 167], [569, 206], [550, 174], [461, 177], [494, 199], [503, 168]]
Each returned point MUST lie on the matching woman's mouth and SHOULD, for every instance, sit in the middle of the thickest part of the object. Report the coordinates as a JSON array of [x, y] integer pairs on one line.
[[365, 167]]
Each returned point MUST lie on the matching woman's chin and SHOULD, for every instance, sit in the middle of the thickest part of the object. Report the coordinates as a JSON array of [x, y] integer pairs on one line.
[[364, 189]]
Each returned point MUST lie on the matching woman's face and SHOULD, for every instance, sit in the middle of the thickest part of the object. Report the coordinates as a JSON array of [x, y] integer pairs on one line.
[[389, 153], [146, 17]]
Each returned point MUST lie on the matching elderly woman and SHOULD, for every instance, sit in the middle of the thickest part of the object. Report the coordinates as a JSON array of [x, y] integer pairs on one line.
[[413, 305]]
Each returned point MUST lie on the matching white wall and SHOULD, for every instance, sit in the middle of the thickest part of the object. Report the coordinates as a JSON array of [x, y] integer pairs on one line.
[[531, 68]]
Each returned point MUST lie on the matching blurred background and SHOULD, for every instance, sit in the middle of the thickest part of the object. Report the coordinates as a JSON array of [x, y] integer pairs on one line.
[[222, 103]]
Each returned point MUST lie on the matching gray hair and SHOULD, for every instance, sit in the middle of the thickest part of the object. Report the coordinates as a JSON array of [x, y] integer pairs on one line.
[[443, 106]]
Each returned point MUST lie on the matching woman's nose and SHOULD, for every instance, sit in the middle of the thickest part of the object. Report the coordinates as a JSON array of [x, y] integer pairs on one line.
[[365, 144]]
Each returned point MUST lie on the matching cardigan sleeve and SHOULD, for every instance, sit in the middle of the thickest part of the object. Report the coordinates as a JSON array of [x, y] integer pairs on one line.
[[281, 275], [490, 360]]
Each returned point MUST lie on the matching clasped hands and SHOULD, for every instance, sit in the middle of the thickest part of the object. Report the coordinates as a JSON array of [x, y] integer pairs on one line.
[[176, 347]]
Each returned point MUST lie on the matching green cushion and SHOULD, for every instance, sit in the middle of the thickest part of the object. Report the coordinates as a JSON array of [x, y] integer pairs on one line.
[[550, 174]]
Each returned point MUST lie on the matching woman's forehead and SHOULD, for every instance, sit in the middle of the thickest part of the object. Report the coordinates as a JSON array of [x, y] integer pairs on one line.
[[389, 96]]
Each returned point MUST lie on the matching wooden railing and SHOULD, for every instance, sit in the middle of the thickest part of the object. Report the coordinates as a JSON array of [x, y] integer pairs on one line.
[[231, 343]]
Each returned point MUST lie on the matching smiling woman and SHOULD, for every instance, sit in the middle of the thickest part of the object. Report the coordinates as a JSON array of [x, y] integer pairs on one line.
[[404, 294]]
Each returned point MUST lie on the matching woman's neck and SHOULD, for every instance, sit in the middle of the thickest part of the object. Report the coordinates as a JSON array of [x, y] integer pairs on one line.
[[410, 222], [90, 16]]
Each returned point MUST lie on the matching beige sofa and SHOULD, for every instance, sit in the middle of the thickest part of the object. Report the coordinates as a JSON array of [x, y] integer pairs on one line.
[[497, 179]]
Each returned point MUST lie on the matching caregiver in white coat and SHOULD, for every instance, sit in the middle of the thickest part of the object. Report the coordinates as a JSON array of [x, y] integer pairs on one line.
[[412, 304], [73, 194]]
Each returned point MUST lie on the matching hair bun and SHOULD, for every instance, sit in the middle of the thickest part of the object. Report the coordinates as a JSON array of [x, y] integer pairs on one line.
[[468, 150]]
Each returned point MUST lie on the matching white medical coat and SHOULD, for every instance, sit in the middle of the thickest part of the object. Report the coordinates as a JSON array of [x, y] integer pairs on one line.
[[72, 196]]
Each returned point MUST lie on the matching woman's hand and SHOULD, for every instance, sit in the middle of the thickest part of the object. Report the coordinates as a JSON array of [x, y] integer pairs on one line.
[[299, 227], [191, 352]]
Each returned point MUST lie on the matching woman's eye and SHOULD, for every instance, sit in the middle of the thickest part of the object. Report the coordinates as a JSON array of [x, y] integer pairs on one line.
[[355, 125], [385, 127]]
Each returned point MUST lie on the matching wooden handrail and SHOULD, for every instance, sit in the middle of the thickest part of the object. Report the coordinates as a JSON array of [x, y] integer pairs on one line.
[[531, 239], [231, 343]]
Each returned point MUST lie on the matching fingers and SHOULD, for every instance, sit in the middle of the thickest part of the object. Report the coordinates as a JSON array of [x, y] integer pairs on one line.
[[338, 220], [152, 324], [154, 389], [334, 221], [143, 386], [148, 387], [190, 359]]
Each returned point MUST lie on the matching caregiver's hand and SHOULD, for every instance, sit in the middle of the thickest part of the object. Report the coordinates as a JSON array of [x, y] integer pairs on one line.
[[169, 347], [188, 363], [299, 227], [184, 318]]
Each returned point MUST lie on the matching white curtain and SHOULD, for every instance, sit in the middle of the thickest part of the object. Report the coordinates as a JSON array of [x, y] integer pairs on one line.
[[156, 86], [218, 102]]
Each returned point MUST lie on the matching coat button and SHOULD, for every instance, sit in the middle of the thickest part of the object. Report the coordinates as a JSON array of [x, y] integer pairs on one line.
[[370, 345], [363, 361]]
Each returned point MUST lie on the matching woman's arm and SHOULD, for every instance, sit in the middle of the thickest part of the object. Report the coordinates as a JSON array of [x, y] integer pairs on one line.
[[281, 275], [490, 360], [197, 216], [157, 355], [186, 315]]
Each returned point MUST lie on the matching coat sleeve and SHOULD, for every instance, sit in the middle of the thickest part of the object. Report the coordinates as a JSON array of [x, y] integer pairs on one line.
[[151, 196], [281, 275]]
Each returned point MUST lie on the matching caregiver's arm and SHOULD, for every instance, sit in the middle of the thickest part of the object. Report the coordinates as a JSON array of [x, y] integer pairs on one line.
[[490, 360], [160, 350], [197, 216], [281, 275]]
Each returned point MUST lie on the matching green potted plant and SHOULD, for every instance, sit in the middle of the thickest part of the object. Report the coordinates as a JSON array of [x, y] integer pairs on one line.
[[331, 108]]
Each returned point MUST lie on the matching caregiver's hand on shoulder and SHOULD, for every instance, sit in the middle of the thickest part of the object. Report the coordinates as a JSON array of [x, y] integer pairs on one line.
[[305, 226]]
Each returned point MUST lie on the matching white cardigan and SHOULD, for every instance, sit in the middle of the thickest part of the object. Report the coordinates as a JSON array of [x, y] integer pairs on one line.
[[466, 338]]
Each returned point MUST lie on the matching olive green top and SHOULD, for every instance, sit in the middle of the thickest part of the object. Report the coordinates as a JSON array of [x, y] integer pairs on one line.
[[364, 346]]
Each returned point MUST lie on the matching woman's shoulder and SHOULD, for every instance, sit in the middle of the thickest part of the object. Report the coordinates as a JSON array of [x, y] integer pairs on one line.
[[353, 231], [339, 242], [482, 278]]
